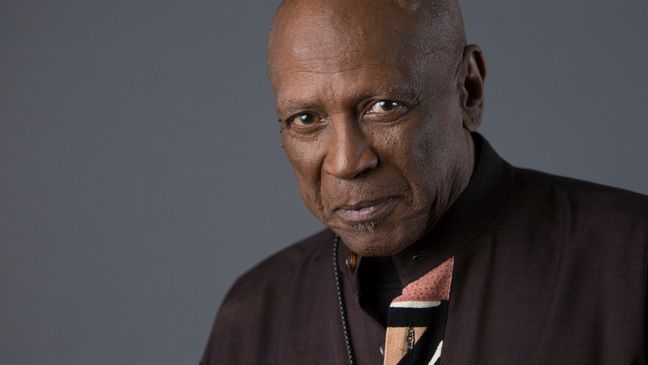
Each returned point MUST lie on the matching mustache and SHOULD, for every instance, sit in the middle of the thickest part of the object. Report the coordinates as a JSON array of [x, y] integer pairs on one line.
[[362, 190]]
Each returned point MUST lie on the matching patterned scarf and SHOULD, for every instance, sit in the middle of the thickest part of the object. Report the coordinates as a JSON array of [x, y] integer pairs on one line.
[[416, 319]]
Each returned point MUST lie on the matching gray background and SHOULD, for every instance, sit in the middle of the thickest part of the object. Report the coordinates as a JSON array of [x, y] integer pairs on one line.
[[140, 164]]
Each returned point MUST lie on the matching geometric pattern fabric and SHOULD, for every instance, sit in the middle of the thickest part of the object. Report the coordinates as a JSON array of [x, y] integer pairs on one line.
[[416, 319]]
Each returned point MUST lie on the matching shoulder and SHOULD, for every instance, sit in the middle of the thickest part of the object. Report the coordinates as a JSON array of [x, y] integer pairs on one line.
[[580, 213], [262, 286], [585, 198], [252, 315], [276, 270]]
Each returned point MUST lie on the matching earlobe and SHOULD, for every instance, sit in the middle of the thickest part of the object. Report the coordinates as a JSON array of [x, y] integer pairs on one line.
[[472, 86]]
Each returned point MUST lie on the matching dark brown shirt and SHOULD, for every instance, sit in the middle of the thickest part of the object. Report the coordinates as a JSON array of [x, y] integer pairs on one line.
[[547, 270]]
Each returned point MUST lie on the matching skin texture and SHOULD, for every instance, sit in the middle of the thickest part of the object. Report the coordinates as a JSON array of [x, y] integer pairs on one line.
[[376, 101]]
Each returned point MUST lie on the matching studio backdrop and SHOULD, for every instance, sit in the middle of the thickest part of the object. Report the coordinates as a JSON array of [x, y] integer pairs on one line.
[[141, 170]]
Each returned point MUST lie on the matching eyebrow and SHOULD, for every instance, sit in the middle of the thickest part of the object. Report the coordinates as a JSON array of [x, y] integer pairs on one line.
[[410, 92], [292, 105]]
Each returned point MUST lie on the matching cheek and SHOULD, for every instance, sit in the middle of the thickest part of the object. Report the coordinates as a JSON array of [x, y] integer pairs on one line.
[[408, 145], [421, 150], [305, 158], [402, 151], [435, 138], [304, 155], [429, 150], [437, 153]]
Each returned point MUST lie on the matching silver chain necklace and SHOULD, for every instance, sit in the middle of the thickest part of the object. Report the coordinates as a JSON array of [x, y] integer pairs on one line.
[[341, 305]]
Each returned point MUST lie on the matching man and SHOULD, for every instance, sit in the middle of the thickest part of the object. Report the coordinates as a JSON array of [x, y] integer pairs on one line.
[[437, 250]]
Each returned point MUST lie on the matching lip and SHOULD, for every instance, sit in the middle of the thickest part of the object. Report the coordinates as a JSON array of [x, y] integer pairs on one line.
[[366, 211]]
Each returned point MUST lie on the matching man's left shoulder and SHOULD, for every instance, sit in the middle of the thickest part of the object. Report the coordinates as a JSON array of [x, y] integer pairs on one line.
[[583, 213], [587, 199]]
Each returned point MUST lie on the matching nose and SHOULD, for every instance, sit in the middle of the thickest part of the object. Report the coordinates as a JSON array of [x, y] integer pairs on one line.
[[349, 154]]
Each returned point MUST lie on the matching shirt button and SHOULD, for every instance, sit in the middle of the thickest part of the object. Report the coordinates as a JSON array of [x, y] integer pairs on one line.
[[382, 350], [417, 258], [351, 261]]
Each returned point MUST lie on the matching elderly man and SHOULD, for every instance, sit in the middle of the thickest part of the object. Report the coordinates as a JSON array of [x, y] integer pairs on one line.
[[437, 250]]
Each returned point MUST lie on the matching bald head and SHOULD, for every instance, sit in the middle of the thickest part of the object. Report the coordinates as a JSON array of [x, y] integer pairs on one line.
[[430, 30]]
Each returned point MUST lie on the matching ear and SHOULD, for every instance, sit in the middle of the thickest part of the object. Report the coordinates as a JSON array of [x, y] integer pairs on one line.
[[471, 84]]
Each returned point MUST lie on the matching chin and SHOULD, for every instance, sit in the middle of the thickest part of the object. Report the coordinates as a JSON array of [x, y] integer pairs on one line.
[[375, 239]]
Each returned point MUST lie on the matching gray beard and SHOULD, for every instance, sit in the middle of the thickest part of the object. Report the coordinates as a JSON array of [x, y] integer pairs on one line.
[[365, 227]]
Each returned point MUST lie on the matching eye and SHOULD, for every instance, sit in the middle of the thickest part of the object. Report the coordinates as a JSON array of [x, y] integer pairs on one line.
[[385, 111], [383, 106], [302, 119]]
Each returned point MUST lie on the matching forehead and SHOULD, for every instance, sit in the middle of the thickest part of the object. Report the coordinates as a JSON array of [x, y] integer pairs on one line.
[[333, 45], [330, 53], [342, 83]]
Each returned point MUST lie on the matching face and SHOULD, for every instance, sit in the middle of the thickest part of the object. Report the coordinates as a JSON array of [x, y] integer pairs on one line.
[[374, 130]]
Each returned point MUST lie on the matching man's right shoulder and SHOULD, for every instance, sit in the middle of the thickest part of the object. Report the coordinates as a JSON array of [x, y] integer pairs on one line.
[[277, 270], [249, 323]]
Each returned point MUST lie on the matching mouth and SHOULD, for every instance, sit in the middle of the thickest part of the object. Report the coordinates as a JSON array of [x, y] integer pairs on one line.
[[366, 211]]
